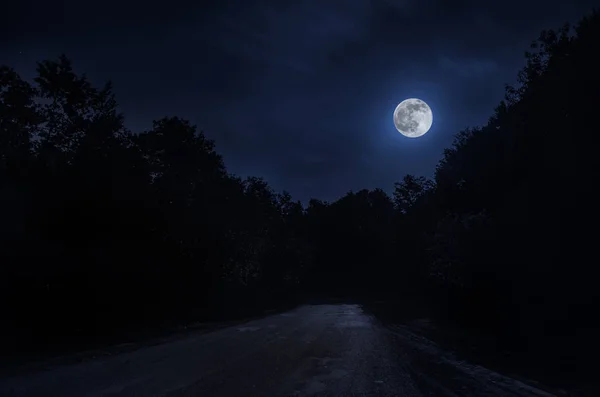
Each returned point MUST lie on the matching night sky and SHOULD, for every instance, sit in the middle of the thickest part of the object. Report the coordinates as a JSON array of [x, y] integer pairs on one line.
[[299, 92]]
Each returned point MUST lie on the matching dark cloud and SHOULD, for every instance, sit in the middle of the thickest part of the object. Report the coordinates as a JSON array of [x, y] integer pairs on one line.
[[301, 92]]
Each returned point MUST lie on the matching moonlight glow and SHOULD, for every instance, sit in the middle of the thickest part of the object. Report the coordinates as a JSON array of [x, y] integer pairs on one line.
[[413, 118]]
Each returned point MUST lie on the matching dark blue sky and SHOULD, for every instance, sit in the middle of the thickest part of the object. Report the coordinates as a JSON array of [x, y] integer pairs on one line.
[[301, 92]]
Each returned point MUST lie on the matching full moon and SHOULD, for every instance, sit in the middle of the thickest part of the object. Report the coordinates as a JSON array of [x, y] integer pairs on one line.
[[413, 118]]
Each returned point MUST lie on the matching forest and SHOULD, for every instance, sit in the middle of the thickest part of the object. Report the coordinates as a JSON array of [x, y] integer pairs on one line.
[[106, 230]]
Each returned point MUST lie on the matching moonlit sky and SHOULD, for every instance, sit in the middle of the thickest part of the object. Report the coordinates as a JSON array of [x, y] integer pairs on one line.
[[300, 92]]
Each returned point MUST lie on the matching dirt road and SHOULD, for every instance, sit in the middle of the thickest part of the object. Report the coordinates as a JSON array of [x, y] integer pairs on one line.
[[318, 350]]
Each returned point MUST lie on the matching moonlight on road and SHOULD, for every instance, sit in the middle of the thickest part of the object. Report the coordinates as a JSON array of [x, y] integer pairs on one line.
[[413, 118]]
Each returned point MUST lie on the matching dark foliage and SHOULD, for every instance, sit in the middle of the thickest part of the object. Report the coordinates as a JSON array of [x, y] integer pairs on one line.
[[105, 230]]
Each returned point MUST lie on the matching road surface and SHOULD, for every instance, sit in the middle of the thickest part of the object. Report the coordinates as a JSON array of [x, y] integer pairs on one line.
[[319, 350]]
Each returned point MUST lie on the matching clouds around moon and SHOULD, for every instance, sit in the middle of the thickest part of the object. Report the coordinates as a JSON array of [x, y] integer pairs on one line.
[[288, 108]]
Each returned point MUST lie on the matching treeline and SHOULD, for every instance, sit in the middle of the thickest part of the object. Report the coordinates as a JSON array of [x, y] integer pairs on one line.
[[512, 247], [104, 229]]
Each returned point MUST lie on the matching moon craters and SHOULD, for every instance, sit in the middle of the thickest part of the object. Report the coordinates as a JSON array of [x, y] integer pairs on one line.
[[413, 117]]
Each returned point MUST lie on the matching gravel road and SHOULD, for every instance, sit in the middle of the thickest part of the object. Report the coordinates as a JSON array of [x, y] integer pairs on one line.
[[316, 350]]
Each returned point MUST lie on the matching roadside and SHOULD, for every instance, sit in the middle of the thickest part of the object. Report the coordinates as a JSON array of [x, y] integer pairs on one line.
[[467, 346], [123, 343], [84, 347]]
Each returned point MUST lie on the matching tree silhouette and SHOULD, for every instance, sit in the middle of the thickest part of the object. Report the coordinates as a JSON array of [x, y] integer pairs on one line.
[[407, 192]]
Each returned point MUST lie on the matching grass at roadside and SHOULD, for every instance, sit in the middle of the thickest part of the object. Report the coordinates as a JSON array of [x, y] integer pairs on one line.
[[475, 347]]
